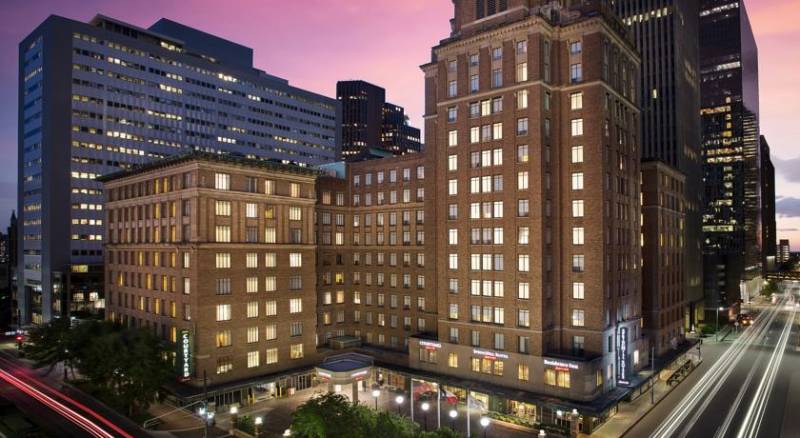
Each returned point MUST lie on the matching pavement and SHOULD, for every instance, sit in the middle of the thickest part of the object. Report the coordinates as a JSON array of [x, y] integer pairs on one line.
[[631, 413], [750, 387]]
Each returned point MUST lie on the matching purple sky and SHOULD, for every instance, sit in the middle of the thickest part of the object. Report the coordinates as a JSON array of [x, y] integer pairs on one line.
[[314, 43]]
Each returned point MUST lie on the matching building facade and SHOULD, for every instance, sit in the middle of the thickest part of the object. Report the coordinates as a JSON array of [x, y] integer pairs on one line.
[[784, 252], [769, 229], [102, 96], [369, 122], [731, 153], [667, 36], [532, 120], [216, 254], [663, 252]]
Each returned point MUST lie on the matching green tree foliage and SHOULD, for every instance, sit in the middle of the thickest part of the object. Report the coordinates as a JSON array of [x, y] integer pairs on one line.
[[770, 288], [333, 416], [124, 366], [49, 344]]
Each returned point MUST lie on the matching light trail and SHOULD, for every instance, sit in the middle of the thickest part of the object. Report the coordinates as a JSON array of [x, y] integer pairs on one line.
[[74, 417], [758, 406], [712, 380], [723, 429], [11, 365]]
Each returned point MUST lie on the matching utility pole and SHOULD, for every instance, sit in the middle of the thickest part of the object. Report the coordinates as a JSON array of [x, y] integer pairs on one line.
[[653, 375], [205, 405]]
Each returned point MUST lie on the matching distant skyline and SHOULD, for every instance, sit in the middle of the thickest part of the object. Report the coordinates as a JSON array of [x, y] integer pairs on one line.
[[314, 43]]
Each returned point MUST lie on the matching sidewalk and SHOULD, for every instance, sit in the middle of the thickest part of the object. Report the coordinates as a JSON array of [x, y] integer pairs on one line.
[[630, 413]]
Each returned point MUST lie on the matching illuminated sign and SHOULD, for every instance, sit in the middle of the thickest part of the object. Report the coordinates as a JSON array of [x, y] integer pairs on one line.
[[622, 356], [359, 374], [186, 354], [430, 345], [560, 364], [323, 374], [490, 354]]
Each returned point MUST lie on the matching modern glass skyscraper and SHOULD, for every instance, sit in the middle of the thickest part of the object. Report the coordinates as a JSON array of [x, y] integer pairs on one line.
[[102, 96], [731, 152], [666, 34]]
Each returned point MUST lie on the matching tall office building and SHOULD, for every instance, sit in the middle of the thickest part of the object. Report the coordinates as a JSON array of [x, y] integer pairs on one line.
[[397, 136], [666, 34], [768, 226], [372, 127], [102, 96], [784, 251], [537, 244], [731, 153]]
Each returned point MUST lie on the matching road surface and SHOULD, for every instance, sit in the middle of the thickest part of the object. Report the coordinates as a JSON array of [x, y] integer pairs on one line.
[[752, 389], [59, 414]]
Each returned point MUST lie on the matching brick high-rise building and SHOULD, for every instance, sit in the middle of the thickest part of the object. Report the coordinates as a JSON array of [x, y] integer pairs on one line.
[[532, 122], [503, 262], [102, 96], [663, 252]]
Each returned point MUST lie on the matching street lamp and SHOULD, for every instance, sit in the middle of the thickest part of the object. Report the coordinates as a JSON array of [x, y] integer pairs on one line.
[[234, 416], [375, 394], [453, 415], [258, 422], [399, 400], [425, 407], [716, 334], [542, 433], [485, 425], [287, 432]]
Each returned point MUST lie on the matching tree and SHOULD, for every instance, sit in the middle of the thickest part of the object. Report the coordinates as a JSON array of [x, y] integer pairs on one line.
[[392, 425], [325, 416], [442, 432], [144, 368], [333, 416], [49, 344]]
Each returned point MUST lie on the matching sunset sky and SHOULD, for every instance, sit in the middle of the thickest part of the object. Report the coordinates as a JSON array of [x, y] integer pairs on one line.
[[314, 43]]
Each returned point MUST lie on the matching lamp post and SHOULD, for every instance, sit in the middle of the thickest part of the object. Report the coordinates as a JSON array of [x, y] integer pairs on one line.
[[375, 394], [399, 400], [425, 406], [716, 334], [258, 422], [234, 416], [485, 425], [453, 415]]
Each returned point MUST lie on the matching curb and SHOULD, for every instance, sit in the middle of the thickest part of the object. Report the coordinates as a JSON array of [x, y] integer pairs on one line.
[[652, 406]]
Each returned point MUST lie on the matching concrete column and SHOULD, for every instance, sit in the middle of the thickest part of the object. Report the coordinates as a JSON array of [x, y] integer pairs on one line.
[[355, 391]]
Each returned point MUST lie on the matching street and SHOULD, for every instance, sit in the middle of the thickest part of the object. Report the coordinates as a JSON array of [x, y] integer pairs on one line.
[[60, 414], [749, 391]]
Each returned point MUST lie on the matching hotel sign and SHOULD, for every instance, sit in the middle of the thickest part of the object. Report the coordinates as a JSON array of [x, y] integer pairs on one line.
[[185, 347], [430, 345], [490, 354], [622, 356], [560, 364]]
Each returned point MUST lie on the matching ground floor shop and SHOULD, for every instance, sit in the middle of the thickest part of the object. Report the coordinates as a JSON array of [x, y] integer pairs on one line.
[[423, 396]]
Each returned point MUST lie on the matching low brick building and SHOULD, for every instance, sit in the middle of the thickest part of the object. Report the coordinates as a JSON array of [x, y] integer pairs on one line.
[[217, 253]]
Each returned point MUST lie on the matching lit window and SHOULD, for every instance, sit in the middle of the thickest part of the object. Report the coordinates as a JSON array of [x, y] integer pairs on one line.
[[577, 290]]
